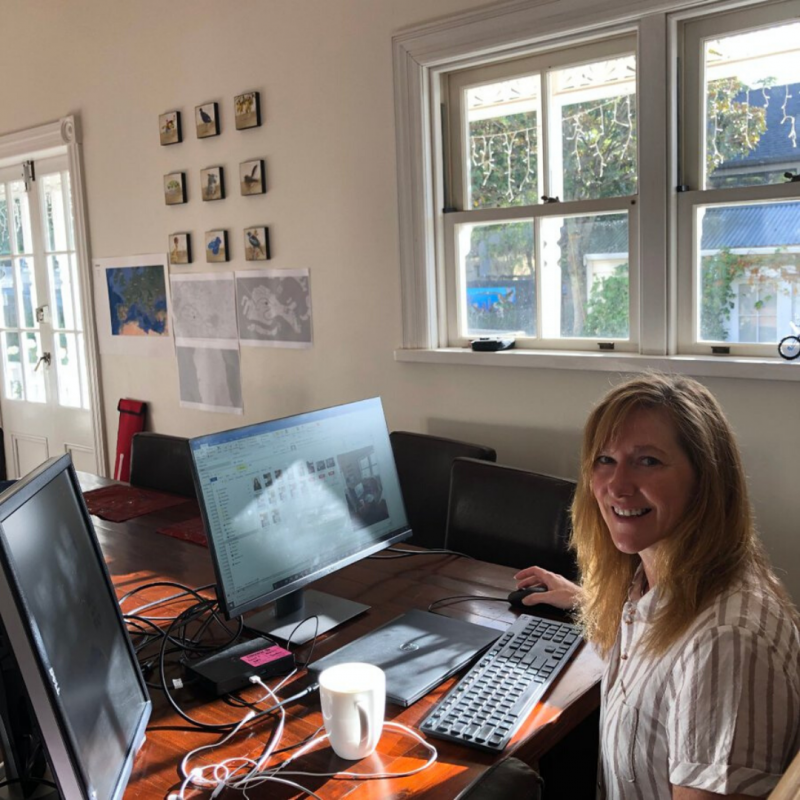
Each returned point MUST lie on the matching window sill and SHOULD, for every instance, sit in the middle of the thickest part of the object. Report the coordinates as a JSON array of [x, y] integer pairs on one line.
[[696, 366]]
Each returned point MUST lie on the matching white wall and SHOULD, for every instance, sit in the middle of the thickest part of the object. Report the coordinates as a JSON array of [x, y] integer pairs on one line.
[[324, 71]]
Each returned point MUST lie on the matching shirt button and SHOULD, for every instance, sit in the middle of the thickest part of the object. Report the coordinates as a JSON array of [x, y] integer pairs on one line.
[[624, 656]]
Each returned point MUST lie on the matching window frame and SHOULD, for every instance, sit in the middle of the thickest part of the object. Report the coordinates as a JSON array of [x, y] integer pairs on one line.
[[691, 32], [542, 62], [506, 31]]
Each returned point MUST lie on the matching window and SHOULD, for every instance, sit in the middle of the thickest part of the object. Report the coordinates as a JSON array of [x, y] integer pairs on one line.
[[619, 186], [543, 158], [740, 218]]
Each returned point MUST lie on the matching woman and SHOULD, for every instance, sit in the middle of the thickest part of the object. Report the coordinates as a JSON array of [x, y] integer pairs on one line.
[[701, 696]]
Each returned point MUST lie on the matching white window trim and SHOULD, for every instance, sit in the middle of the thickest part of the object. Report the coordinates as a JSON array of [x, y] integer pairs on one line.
[[59, 138], [419, 55]]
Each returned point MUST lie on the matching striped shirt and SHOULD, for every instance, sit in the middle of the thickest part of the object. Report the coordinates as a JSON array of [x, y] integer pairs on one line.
[[719, 711]]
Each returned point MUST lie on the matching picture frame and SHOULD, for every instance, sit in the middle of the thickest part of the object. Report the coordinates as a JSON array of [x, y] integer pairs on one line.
[[169, 128], [206, 120], [247, 110], [180, 249], [252, 178], [256, 244], [212, 183], [175, 188], [216, 246]]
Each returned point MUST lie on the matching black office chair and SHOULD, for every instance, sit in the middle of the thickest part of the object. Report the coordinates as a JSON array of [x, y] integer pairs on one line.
[[162, 463], [423, 466], [509, 778], [510, 516]]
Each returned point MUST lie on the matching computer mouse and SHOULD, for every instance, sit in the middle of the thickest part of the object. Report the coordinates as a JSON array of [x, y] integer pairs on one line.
[[515, 598]]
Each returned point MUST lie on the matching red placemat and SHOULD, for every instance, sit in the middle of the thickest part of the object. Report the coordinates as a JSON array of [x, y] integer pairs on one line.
[[120, 503], [190, 530]]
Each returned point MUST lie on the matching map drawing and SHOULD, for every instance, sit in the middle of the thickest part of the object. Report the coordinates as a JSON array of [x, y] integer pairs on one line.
[[274, 308], [210, 378], [137, 299], [203, 307]]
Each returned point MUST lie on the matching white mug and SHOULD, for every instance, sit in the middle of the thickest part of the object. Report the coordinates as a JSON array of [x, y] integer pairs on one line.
[[353, 698]]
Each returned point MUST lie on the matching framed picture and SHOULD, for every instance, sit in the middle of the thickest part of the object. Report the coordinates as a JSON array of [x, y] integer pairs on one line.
[[175, 188], [247, 110], [206, 118], [169, 127], [251, 177], [256, 244], [216, 246], [180, 248], [212, 183]]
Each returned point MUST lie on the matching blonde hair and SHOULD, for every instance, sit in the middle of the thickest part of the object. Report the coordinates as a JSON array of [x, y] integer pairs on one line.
[[712, 547]]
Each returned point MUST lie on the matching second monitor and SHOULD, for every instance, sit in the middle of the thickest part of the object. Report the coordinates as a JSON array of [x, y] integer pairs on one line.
[[288, 501]]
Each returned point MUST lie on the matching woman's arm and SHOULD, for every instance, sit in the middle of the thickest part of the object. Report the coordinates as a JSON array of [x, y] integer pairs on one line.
[[561, 593]]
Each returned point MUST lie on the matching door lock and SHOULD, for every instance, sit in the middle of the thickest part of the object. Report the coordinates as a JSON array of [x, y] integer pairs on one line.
[[43, 314], [46, 357]]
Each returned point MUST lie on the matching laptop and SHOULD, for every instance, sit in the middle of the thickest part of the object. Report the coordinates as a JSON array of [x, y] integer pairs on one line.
[[417, 651]]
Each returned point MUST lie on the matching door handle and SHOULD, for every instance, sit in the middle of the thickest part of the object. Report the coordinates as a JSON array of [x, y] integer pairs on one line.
[[46, 357]]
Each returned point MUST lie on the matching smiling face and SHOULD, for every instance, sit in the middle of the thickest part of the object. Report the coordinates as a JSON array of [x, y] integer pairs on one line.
[[643, 482]]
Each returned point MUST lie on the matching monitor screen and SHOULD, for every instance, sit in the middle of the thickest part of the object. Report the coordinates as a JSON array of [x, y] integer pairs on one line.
[[288, 501], [62, 621]]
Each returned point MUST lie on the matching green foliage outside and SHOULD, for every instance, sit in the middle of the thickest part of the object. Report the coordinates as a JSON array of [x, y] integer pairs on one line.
[[599, 142], [607, 311], [5, 239]]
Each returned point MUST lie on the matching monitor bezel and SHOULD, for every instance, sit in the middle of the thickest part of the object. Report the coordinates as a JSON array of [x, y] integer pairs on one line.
[[231, 611], [31, 655]]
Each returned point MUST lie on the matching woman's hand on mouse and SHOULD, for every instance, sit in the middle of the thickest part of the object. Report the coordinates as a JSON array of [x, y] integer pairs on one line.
[[561, 593]]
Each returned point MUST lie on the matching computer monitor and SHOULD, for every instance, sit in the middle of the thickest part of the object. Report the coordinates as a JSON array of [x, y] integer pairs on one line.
[[63, 630], [288, 501]]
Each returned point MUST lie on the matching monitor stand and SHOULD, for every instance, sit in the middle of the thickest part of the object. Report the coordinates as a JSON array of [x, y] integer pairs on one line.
[[280, 619]]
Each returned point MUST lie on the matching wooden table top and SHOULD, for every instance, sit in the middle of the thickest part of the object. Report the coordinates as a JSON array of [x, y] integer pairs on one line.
[[136, 554]]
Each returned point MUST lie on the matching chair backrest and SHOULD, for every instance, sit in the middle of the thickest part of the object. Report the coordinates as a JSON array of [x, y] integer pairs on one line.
[[423, 466], [162, 463], [510, 516]]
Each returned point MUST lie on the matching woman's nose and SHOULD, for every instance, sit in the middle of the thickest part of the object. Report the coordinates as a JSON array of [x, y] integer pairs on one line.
[[621, 482]]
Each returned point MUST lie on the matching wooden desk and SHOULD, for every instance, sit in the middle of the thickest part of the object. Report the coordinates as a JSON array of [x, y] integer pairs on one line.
[[136, 554]]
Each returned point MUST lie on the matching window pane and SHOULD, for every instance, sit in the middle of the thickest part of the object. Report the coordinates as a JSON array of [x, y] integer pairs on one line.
[[55, 219], [34, 379], [68, 366], [60, 276], [8, 304], [5, 231], [593, 108], [12, 367], [752, 96], [585, 286], [502, 159], [749, 269], [497, 266], [27, 291], [22, 218]]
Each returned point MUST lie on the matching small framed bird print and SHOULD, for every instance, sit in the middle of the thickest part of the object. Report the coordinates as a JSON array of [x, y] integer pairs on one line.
[[180, 248], [206, 118], [216, 246], [169, 126], [174, 188], [251, 177], [247, 110], [212, 183], [256, 244]]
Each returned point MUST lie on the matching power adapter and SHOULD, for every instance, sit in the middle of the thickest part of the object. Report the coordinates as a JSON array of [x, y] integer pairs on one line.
[[231, 669]]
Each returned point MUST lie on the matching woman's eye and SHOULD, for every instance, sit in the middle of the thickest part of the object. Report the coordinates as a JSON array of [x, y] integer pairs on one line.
[[603, 460], [650, 461]]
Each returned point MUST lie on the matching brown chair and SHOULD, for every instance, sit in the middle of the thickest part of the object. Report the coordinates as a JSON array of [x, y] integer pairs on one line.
[[163, 463], [510, 516], [423, 466], [509, 778]]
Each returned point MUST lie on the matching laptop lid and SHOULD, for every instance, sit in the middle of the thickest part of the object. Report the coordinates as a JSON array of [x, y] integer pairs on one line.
[[417, 651]]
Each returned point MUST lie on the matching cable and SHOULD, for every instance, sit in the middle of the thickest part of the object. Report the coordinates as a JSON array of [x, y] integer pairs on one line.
[[460, 598], [409, 553]]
